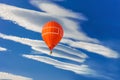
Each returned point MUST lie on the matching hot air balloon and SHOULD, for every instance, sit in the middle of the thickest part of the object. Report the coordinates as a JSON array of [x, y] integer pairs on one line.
[[52, 33]]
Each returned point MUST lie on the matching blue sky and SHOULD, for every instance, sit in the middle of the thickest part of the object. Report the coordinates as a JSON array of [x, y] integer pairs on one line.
[[89, 49]]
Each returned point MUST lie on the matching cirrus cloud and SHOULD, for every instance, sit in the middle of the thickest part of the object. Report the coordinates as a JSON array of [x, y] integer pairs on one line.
[[34, 20], [9, 76], [3, 49]]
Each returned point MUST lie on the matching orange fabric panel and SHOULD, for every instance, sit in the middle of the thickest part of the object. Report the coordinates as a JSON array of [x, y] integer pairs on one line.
[[52, 33]]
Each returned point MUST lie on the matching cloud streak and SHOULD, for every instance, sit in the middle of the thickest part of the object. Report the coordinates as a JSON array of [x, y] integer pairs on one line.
[[9, 76], [79, 69], [74, 37], [93, 47], [3, 49], [56, 10], [38, 45], [34, 20], [24, 18], [60, 51]]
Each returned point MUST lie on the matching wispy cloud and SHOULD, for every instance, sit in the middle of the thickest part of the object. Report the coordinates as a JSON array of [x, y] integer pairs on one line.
[[93, 47], [79, 69], [61, 51], [62, 54], [24, 18], [38, 45], [56, 10], [9, 76], [34, 20], [3, 49]]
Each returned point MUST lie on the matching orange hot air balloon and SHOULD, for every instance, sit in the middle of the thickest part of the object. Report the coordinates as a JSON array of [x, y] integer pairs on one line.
[[52, 33]]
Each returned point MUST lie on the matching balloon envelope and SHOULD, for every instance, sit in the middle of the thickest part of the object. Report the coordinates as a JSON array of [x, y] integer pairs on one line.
[[52, 33]]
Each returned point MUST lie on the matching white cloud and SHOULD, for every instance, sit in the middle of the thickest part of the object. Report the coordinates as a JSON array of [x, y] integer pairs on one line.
[[62, 54], [92, 47], [61, 51], [9, 76], [79, 69], [3, 49], [34, 20], [38, 45], [7, 12], [64, 51], [25, 41], [56, 10]]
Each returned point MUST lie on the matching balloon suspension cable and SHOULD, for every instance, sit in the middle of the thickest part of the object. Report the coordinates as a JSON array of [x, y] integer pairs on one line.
[[50, 52]]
